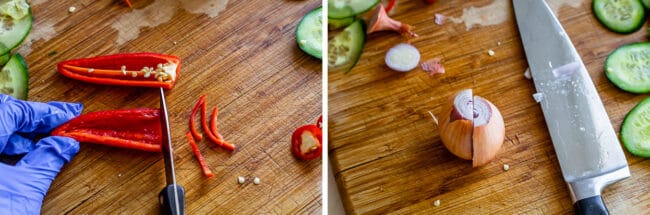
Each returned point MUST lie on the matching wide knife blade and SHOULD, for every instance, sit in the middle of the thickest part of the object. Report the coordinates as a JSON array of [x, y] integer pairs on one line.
[[172, 197], [586, 145]]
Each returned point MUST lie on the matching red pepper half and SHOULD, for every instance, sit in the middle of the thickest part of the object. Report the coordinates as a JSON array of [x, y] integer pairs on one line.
[[306, 142], [130, 69], [137, 128]]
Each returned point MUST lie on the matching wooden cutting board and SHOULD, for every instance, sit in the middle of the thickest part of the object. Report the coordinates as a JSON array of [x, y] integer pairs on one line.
[[241, 54], [386, 150]]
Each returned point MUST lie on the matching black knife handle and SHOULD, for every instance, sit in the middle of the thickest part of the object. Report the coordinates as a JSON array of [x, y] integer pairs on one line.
[[167, 203], [591, 206]]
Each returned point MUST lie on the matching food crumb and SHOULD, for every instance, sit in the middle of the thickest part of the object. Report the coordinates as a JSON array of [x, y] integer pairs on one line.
[[498, 43], [527, 74], [538, 97], [241, 179], [436, 203], [490, 52], [439, 19], [175, 42], [72, 9], [256, 181], [506, 167], [119, 175]]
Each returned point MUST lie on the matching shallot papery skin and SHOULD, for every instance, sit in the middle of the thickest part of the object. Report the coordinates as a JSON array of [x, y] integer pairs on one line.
[[440, 19], [381, 22], [433, 66]]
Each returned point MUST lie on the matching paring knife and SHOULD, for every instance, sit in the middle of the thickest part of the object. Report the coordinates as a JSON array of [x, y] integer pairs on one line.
[[586, 145], [172, 197]]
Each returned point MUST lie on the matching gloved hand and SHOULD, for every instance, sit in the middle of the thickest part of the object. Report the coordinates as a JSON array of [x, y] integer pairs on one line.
[[23, 186]]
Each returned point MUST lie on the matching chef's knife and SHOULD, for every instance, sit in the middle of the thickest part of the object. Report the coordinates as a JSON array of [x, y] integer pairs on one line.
[[586, 145], [172, 197]]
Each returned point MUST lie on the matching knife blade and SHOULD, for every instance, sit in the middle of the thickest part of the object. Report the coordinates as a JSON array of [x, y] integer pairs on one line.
[[172, 197], [584, 140]]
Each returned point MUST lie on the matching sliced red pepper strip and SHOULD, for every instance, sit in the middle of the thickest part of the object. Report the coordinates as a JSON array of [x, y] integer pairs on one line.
[[128, 3], [129, 69], [206, 170], [207, 130], [390, 5], [137, 128], [306, 142], [213, 123], [195, 133]]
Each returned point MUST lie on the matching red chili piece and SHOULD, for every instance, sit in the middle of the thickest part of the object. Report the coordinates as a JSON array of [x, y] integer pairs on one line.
[[430, 1], [130, 69], [206, 170], [390, 5], [195, 133], [129, 128], [306, 142], [319, 123], [128, 3], [206, 129], [213, 123]]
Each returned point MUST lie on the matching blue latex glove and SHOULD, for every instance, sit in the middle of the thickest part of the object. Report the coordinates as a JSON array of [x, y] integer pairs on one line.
[[23, 186]]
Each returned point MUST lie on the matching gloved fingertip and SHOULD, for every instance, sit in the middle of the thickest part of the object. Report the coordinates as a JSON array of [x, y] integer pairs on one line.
[[4, 98], [18, 145], [73, 109], [51, 153]]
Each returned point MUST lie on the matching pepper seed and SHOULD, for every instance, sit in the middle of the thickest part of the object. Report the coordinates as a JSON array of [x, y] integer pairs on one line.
[[256, 181], [241, 179]]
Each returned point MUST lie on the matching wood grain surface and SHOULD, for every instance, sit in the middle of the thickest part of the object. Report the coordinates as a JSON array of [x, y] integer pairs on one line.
[[245, 59], [386, 150]]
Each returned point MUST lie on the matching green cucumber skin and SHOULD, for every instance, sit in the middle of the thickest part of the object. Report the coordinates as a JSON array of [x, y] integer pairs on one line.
[[17, 68], [613, 76], [317, 53], [636, 24], [338, 14], [628, 130], [646, 3], [4, 59]]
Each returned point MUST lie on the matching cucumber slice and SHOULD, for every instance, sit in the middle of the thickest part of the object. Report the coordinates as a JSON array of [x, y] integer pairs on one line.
[[335, 24], [14, 78], [620, 16], [309, 33], [628, 67], [345, 48], [635, 131], [339, 9]]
